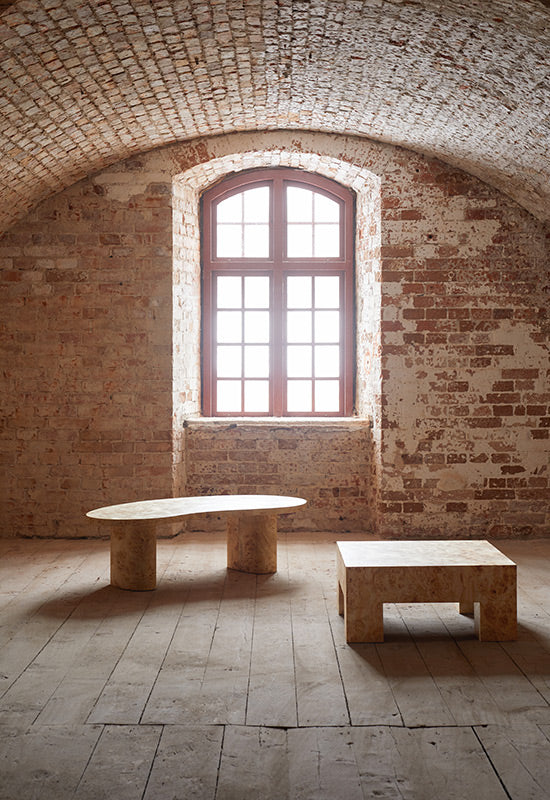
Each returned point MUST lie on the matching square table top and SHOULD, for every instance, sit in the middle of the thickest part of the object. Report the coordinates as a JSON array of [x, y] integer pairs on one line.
[[425, 553]]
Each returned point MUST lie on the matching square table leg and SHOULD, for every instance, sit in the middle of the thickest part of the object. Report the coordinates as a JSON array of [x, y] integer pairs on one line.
[[496, 620], [363, 613]]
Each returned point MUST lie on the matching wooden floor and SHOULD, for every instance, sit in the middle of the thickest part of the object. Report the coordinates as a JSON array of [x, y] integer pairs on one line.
[[227, 685]]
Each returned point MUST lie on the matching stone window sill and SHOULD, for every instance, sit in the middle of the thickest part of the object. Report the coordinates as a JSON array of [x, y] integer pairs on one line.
[[278, 422]]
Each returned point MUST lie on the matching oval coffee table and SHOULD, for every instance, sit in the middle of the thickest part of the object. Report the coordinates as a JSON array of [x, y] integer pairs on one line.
[[251, 532]]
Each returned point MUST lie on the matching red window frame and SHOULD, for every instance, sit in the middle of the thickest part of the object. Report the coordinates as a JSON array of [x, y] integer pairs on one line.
[[278, 266]]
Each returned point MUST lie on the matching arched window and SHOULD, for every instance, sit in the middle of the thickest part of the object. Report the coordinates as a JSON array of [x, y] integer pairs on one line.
[[277, 295]]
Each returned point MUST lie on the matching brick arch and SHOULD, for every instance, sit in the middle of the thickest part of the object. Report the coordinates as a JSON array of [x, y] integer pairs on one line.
[[187, 187], [86, 84]]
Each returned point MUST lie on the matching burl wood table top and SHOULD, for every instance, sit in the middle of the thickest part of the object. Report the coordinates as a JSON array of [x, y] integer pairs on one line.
[[413, 553], [183, 506]]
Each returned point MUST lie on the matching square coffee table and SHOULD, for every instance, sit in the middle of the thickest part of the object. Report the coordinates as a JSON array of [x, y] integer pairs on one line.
[[471, 572]]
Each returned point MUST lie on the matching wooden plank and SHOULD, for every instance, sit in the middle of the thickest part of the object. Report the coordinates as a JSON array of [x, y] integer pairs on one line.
[[78, 692], [186, 764], [204, 678], [360, 666], [42, 611], [319, 689], [271, 689], [510, 688], [128, 688], [223, 689], [130, 679], [427, 763], [253, 764], [322, 764], [414, 690], [534, 662], [520, 754], [43, 682], [120, 764], [461, 689], [36, 660], [175, 697], [45, 762]]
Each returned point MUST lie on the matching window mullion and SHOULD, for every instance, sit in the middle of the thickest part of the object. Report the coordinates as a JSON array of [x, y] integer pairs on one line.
[[279, 338]]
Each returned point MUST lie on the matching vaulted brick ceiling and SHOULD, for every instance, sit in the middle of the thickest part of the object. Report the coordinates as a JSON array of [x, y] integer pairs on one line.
[[83, 84]]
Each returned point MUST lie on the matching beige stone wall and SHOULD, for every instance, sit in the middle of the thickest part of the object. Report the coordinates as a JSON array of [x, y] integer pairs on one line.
[[101, 346]]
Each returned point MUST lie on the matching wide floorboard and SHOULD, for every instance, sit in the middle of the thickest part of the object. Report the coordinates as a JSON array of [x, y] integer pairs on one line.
[[227, 686]]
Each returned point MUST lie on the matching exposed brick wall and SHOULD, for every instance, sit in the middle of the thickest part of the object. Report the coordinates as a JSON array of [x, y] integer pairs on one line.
[[86, 353], [328, 464], [465, 360], [100, 352]]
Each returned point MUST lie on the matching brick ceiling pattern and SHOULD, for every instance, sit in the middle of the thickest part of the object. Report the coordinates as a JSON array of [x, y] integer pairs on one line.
[[84, 84]]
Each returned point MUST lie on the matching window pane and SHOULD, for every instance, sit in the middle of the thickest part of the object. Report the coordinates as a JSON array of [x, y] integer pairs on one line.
[[229, 396], [327, 291], [327, 361], [256, 362], [299, 241], [327, 241], [299, 204], [299, 396], [256, 397], [327, 396], [326, 210], [298, 326], [230, 209], [298, 361], [256, 204], [229, 326], [256, 292], [298, 291], [256, 326], [229, 292], [229, 361], [327, 326], [229, 241], [256, 241]]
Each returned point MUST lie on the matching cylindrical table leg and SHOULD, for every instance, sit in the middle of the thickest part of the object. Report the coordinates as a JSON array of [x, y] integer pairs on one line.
[[134, 555], [252, 543]]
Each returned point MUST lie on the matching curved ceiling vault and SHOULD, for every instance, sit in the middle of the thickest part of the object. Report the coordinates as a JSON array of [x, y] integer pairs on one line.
[[86, 83]]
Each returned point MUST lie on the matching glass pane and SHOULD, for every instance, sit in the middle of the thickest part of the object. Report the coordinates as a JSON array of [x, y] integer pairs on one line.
[[256, 362], [229, 362], [229, 326], [299, 204], [299, 396], [256, 326], [327, 291], [298, 291], [230, 209], [327, 241], [327, 326], [327, 361], [256, 292], [256, 204], [327, 396], [229, 396], [230, 241], [256, 241], [298, 361], [298, 326], [299, 241], [326, 210], [229, 292], [256, 397]]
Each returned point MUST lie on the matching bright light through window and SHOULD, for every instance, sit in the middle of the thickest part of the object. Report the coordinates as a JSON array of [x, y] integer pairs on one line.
[[278, 296]]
